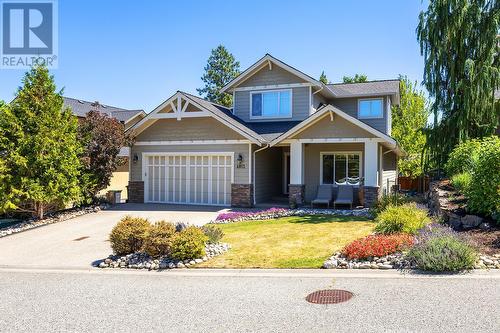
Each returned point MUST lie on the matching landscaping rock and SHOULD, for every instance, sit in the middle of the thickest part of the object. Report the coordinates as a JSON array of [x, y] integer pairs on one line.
[[471, 221]]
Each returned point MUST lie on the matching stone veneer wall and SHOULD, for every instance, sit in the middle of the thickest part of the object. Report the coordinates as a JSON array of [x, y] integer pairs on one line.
[[135, 191], [241, 195], [370, 195], [296, 192]]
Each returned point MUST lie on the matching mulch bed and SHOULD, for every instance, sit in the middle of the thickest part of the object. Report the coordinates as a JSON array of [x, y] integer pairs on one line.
[[488, 241]]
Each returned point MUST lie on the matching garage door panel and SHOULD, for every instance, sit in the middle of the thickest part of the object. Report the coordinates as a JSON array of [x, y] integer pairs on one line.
[[189, 178]]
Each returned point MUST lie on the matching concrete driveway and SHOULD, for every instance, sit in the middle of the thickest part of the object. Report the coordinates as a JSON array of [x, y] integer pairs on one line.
[[79, 241]]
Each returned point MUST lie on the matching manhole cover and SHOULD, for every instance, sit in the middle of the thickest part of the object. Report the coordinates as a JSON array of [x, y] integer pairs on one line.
[[81, 238], [330, 296]]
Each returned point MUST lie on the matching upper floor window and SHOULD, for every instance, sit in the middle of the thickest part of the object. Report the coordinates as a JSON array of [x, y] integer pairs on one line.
[[271, 104], [370, 108]]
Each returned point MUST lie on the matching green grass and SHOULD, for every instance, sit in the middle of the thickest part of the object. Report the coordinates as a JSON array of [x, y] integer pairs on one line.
[[290, 242]]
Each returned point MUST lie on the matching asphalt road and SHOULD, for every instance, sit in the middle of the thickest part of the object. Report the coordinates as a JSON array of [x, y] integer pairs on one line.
[[244, 301]]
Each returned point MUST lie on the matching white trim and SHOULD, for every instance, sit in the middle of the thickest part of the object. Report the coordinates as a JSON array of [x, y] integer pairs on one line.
[[311, 120], [285, 173], [180, 115], [311, 107], [389, 116], [262, 92], [274, 86], [141, 113], [190, 142], [250, 163], [263, 62], [381, 99], [322, 153], [334, 140]]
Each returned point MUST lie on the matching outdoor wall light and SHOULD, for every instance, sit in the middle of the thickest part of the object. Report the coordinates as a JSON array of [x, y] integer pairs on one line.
[[239, 161], [135, 158]]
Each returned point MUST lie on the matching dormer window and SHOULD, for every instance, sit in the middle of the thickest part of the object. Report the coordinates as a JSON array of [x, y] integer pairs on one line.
[[370, 108], [271, 104]]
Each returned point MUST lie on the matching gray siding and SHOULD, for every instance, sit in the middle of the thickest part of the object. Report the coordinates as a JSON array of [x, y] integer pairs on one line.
[[317, 100], [240, 174], [268, 174], [350, 106], [265, 76], [300, 105], [205, 128], [389, 171], [338, 128]]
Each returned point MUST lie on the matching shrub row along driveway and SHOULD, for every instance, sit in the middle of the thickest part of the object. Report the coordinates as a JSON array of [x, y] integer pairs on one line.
[[56, 245]]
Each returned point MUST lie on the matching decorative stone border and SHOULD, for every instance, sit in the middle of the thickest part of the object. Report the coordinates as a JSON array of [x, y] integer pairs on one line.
[[144, 261], [54, 218], [275, 213], [397, 261]]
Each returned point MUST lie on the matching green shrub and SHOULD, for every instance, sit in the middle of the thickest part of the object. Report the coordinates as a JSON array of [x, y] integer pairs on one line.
[[406, 218], [463, 157], [188, 244], [129, 234], [213, 232], [461, 181], [443, 253], [159, 240], [394, 199], [483, 192]]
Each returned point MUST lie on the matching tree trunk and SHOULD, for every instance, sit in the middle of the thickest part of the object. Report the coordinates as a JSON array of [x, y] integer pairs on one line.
[[39, 210]]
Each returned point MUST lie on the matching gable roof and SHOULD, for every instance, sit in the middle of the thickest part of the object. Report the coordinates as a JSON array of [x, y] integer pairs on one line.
[[262, 62], [219, 112], [80, 108], [370, 88], [324, 111]]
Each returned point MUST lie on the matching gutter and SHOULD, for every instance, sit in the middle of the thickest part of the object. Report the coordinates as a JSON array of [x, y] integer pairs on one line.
[[253, 169]]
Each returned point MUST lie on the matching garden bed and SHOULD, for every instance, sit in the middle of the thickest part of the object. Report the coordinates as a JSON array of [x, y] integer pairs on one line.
[[49, 219], [141, 260]]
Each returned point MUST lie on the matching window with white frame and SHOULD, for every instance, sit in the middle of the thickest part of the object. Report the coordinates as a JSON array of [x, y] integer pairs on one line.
[[371, 108], [341, 168], [271, 104]]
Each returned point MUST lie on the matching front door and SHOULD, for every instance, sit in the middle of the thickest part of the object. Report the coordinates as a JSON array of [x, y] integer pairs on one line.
[[286, 172]]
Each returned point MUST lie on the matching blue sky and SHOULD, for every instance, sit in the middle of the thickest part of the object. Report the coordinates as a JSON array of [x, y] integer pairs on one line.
[[135, 54]]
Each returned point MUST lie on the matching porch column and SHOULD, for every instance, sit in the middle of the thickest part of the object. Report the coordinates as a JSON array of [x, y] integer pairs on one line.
[[370, 185], [296, 186]]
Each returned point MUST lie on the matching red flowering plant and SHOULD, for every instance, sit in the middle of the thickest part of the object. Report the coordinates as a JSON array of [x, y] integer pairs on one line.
[[377, 246]]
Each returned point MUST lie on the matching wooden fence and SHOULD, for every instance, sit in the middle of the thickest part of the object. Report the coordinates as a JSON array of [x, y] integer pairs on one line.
[[418, 184]]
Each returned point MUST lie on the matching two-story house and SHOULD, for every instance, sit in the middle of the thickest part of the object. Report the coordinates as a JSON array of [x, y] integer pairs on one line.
[[286, 134]]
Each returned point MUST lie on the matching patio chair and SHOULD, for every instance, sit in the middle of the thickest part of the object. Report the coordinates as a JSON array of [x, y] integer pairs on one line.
[[324, 196], [345, 196]]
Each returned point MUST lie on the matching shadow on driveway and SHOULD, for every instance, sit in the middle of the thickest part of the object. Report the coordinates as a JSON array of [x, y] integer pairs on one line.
[[139, 207]]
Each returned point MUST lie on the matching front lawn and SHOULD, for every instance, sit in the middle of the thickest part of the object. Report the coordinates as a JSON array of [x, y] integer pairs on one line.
[[290, 242]]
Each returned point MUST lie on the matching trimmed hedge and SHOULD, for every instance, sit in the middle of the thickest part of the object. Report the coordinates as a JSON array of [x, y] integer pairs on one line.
[[129, 234], [188, 244], [159, 240], [406, 218]]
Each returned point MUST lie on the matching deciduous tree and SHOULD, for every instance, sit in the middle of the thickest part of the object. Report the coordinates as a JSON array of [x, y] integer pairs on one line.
[[409, 119], [102, 138], [458, 39]]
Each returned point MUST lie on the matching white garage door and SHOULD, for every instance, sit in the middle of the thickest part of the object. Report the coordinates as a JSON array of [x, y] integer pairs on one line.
[[201, 178]]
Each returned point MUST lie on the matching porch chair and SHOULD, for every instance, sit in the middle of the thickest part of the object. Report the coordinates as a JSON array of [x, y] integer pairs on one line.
[[345, 196], [324, 196]]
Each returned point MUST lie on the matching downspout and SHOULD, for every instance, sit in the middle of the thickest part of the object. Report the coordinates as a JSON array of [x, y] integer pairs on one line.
[[253, 169]]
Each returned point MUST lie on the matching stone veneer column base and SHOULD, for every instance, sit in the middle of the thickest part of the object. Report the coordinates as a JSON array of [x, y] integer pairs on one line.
[[242, 195], [371, 195], [296, 193], [135, 190]]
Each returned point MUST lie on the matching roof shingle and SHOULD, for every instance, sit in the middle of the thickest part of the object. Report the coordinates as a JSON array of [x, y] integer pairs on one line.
[[80, 108]]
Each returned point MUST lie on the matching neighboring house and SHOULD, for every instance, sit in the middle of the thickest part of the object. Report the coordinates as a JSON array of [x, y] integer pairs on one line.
[[80, 108], [286, 134]]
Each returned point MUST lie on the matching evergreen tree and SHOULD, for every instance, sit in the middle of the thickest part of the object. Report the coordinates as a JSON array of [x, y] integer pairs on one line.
[[322, 78], [220, 69], [409, 119], [39, 147], [458, 39], [358, 78]]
